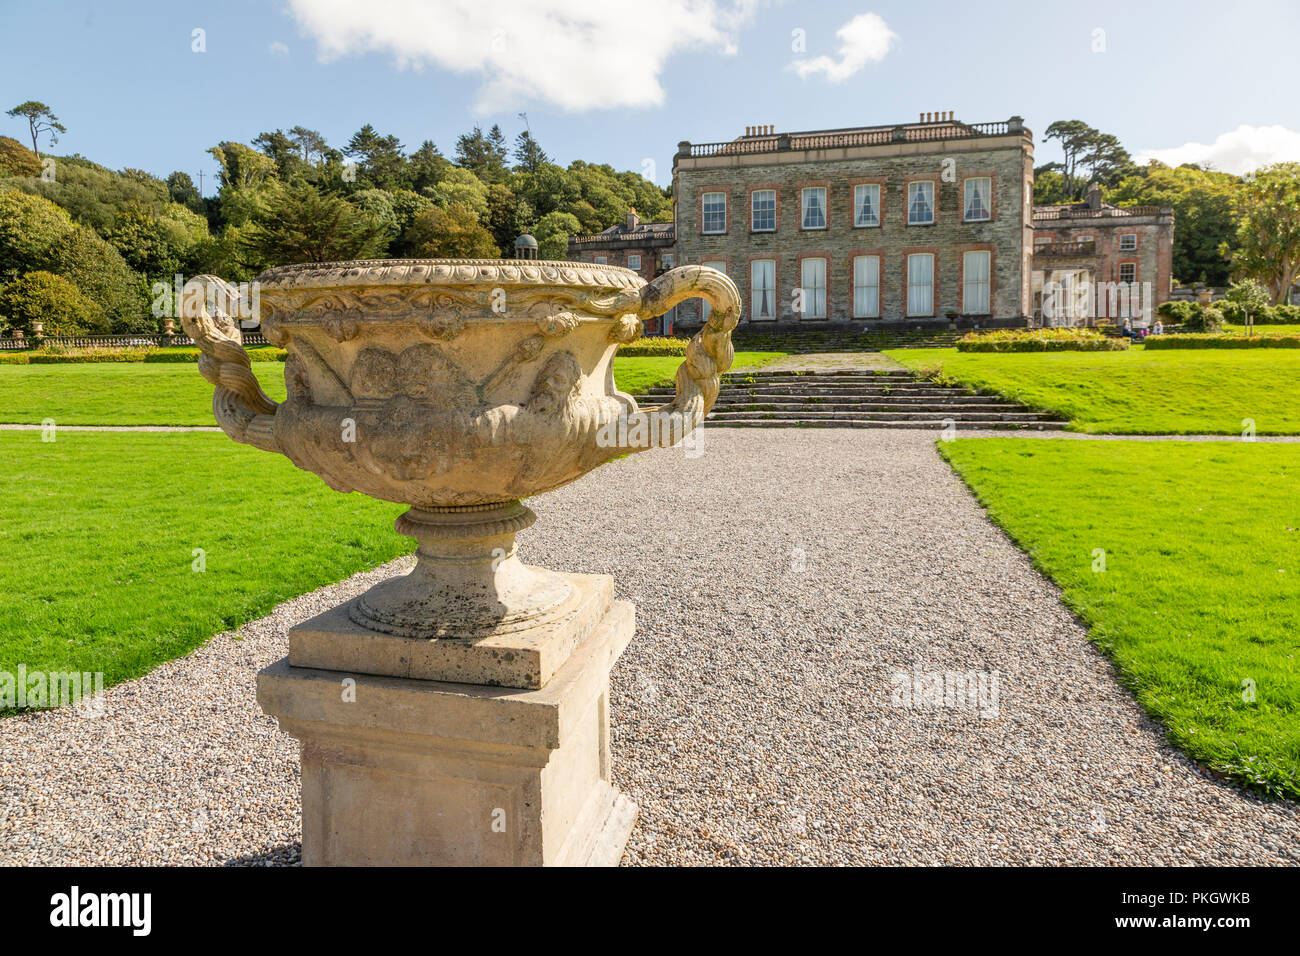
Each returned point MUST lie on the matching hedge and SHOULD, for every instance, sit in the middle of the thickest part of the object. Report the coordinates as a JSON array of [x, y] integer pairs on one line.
[[1223, 341], [1234, 313], [641, 347], [46, 357], [1040, 340], [655, 345]]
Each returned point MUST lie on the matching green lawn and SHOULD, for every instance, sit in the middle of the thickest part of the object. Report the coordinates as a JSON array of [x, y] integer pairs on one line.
[[97, 539], [165, 394], [1181, 392], [1279, 329], [1200, 592]]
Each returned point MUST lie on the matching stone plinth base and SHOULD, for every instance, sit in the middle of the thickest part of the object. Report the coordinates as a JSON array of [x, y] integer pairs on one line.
[[397, 771], [524, 657]]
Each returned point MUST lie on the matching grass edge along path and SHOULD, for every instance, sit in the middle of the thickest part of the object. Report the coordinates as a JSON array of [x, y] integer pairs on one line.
[[1195, 604]]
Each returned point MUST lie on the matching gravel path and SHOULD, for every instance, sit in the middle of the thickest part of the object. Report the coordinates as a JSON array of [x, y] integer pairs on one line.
[[787, 577]]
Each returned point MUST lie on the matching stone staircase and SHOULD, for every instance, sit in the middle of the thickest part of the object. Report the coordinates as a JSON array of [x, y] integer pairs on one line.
[[855, 398]]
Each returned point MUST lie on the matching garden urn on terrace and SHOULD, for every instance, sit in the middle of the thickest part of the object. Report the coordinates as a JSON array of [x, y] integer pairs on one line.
[[477, 729]]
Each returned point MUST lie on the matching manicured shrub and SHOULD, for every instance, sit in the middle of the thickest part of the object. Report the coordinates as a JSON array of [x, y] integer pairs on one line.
[[1207, 318], [655, 345], [1223, 341], [1040, 340], [1176, 312], [60, 356], [1234, 313]]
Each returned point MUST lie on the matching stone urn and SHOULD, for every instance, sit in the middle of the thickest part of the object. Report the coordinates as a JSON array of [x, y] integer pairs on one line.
[[458, 388]]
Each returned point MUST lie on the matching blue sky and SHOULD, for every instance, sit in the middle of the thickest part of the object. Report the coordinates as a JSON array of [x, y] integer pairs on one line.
[[622, 83]]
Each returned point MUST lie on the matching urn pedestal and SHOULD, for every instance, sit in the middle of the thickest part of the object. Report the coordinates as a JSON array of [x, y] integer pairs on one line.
[[458, 714], [410, 771]]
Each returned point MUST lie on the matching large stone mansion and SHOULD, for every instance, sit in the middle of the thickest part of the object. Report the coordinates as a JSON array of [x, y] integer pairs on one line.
[[925, 224]]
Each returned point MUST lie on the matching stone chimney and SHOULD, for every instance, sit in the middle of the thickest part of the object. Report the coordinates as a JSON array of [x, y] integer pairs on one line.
[[1094, 196], [633, 220]]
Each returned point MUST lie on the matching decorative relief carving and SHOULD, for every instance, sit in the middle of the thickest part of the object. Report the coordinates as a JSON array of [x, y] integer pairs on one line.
[[419, 372], [556, 384]]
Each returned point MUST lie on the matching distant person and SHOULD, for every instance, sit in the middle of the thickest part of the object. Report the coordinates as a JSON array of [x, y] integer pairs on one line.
[[1127, 329], [1158, 328]]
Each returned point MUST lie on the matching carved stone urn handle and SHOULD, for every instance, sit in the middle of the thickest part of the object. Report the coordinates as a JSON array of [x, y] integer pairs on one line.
[[242, 409], [708, 354]]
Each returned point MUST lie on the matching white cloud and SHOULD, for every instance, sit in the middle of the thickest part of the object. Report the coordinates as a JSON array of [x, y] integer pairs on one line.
[[278, 48], [864, 39], [1238, 151], [576, 54]]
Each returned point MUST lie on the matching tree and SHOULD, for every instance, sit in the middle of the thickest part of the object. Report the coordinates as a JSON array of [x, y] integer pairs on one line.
[[283, 151], [451, 232], [528, 155], [1204, 220], [95, 267], [462, 186], [1268, 229], [552, 233], [158, 244], [1074, 137], [1049, 187], [30, 228], [1089, 155], [137, 236], [310, 142], [484, 156], [548, 189], [36, 235], [302, 225], [39, 120], [377, 206], [427, 167], [181, 189], [242, 167], [16, 159], [1106, 160], [94, 195], [406, 206], [507, 217], [51, 299], [1251, 296], [381, 158]]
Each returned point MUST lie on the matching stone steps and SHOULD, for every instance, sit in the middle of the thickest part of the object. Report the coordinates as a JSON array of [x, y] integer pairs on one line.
[[842, 397], [730, 415], [934, 423], [855, 398], [852, 408]]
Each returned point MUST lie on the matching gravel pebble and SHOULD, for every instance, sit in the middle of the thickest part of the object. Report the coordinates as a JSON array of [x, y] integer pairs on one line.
[[782, 579]]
